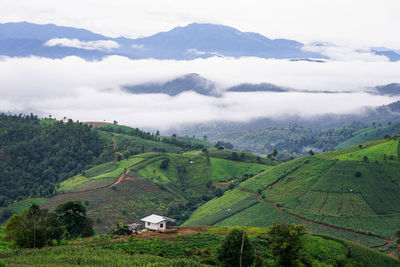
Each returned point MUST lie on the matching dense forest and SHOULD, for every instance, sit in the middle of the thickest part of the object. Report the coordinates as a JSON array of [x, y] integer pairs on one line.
[[35, 155]]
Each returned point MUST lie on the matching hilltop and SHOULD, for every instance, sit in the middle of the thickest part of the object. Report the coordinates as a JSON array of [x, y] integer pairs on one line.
[[351, 193]]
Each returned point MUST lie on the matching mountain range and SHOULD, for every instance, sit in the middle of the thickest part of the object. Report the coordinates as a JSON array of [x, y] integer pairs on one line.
[[20, 39]]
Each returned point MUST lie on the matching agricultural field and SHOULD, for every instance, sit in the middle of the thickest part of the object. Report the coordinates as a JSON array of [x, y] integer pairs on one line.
[[372, 133], [107, 170], [242, 156], [264, 214], [126, 202], [217, 205], [19, 207], [230, 170], [386, 151], [335, 189], [272, 175]]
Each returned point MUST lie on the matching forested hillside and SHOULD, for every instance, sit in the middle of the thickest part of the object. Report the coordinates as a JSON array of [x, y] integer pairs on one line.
[[36, 155]]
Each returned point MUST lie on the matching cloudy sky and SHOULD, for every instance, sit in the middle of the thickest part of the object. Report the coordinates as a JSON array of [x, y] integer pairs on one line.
[[90, 91]]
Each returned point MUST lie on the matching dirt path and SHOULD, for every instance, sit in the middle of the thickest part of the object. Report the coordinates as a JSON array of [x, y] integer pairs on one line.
[[394, 251], [388, 241], [119, 180]]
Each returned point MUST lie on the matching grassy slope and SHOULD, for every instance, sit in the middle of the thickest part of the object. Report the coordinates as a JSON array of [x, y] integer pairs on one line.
[[225, 169], [365, 135], [248, 157], [18, 208], [107, 170], [323, 188], [147, 188]]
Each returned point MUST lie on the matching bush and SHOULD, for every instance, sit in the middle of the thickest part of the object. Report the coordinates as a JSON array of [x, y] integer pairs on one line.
[[164, 164], [357, 174]]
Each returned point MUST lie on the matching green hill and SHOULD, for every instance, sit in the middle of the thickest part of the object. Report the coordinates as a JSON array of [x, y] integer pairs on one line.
[[173, 184], [353, 193], [368, 134], [38, 156]]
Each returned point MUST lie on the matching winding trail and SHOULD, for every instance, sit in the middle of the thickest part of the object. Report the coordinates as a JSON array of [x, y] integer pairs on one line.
[[388, 241]]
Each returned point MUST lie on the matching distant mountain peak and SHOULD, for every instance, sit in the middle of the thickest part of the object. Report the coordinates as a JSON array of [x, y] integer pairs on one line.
[[195, 40]]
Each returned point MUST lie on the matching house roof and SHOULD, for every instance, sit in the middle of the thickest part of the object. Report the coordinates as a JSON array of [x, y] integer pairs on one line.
[[156, 219]]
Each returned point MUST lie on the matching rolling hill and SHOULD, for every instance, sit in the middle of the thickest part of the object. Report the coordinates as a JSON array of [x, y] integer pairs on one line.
[[352, 193], [152, 182]]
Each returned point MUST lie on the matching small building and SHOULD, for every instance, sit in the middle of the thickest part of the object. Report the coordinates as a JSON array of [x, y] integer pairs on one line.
[[156, 222]]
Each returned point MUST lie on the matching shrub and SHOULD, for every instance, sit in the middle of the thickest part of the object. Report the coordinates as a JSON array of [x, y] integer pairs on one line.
[[357, 174]]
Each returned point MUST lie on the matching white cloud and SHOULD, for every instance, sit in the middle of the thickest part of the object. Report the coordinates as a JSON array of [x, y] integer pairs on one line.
[[102, 45], [197, 52], [138, 46], [90, 90], [344, 53]]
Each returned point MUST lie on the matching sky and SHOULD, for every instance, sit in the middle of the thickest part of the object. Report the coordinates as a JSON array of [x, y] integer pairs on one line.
[[91, 91], [355, 22]]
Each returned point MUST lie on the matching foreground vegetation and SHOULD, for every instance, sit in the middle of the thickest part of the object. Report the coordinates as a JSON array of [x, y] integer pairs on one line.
[[197, 246]]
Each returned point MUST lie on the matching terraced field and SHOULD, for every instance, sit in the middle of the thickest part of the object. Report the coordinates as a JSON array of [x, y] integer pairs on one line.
[[359, 198]]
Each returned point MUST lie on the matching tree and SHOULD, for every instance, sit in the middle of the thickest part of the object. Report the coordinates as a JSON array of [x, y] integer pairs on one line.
[[72, 215], [275, 152], [33, 228], [234, 156], [164, 164], [311, 152], [229, 252], [286, 242]]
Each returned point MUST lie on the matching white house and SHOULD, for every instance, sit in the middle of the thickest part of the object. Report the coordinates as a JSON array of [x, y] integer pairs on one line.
[[156, 222]]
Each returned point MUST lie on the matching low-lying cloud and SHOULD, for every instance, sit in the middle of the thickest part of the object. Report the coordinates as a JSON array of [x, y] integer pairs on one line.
[[90, 91], [344, 53], [102, 45]]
